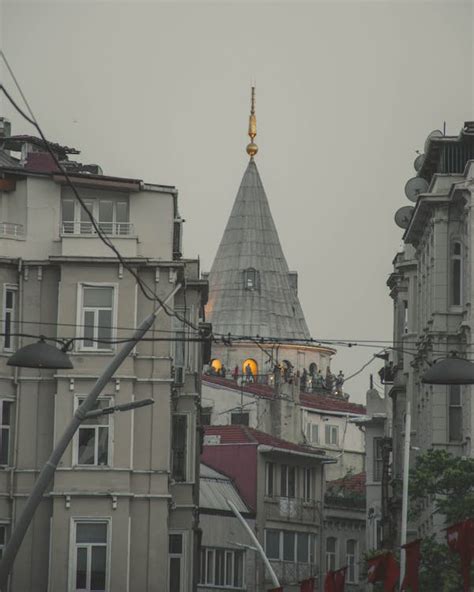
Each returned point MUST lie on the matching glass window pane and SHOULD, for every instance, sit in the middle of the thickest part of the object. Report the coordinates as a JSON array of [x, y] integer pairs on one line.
[[86, 453], [302, 547], [228, 568], [81, 568], [175, 573], [103, 446], [210, 567], [4, 446], [91, 532], [272, 544], [238, 569], [105, 327], [98, 567], [122, 211], [288, 546], [106, 211], [455, 394], [292, 482], [331, 545], [455, 424], [176, 544], [283, 480], [6, 413], [67, 210], [89, 322], [7, 329], [202, 573], [3, 531], [219, 571], [9, 298], [98, 297]]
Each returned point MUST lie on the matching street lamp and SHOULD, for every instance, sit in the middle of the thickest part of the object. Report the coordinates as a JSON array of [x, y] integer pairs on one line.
[[40, 355]]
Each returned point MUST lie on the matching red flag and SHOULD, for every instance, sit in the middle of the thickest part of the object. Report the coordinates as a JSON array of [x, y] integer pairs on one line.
[[384, 568], [412, 565], [307, 585], [460, 538], [329, 582], [340, 579]]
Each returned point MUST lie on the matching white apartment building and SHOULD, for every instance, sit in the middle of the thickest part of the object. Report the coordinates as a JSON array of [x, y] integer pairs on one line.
[[121, 513]]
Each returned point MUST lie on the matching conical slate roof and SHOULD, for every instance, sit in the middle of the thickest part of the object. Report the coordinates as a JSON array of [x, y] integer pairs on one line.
[[244, 302]]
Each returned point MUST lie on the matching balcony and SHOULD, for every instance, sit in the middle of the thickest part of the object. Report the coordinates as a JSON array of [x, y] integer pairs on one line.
[[79, 239], [292, 510], [10, 230], [289, 572], [86, 228]]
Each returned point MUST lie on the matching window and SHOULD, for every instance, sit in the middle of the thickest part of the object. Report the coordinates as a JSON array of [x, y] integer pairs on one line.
[[332, 435], [3, 538], [176, 562], [307, 483], [287, 481], [179, 447], [112, 216], [251, 279], [206, 415], [5, 424], [90, 556], [456, 273], [331, 551], [179, 328], [239, 418], [9, 317], [312, 433], [294, 547], [97, 317], [221, 567], [351, 560], [455, 413], [269, 478], [94, 437], [378, 459], [250, 369]]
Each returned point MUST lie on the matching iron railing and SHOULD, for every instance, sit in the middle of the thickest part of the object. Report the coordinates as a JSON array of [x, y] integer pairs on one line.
[[289, 572], [292, 509], [9, 229], [86, 229]]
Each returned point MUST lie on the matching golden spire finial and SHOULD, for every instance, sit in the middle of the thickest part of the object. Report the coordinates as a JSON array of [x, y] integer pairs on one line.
[[252, 148]]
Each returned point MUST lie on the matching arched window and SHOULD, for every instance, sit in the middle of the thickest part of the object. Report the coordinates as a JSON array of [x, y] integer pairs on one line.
[[331, 552], [351, 561], [250, 368], [313, 368], [456, 273], [251, 279]]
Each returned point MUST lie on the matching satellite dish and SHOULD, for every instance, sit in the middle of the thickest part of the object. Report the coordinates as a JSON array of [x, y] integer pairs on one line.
[[434, 134], [414, 187], [419, 160], [403, 216]]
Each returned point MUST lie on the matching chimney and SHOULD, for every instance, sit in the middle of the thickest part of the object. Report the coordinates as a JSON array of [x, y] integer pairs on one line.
[[5, 128]]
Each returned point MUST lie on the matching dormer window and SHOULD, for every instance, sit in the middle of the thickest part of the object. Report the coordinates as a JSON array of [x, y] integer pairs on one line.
[[251, 279]]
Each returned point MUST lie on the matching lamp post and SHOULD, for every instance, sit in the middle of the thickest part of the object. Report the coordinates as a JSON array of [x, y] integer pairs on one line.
[[24, 356], [446, 371]]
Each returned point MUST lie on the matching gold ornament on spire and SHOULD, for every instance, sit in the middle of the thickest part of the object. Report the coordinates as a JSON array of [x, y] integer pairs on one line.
[[252, 148]]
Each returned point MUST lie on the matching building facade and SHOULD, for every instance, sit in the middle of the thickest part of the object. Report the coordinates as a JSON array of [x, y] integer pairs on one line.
[[432, 287], [121, 513]]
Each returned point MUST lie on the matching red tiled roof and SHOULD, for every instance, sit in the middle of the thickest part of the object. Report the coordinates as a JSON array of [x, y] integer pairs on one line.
[[355, 483], [239, 434], [320, 400]]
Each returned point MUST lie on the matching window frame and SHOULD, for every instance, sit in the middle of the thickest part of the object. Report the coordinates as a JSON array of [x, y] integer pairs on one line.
[[190, 446], [78, 399], [13, 316], [74, 521], [240, 415], [209, 579], [308, 484], [458, 408], [311, 428], [81, 218], [311, 544], [331, 556], [331, 428], [352, 566], [270, 479], [5, 525], [80, 320], [285, 480], [454, 259], [377, 461], [8, 427], [182, 556]]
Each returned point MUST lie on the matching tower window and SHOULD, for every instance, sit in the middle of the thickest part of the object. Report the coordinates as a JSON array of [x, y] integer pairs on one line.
[[251, 279]]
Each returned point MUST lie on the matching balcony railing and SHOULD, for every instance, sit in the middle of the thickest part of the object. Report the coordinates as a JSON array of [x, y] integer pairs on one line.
[[9, 229], [288, 572], [292, 509], [86, 228]]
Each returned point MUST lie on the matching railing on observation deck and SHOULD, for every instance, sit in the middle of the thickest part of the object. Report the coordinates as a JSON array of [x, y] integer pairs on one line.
[[75, 228], [8, 229]]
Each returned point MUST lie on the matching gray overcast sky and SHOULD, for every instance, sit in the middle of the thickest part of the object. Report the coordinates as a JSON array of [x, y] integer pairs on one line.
[[346, 92]]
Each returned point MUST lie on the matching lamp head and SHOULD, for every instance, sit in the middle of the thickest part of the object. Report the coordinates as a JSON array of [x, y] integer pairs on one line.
[[450, 370], [40, 355]]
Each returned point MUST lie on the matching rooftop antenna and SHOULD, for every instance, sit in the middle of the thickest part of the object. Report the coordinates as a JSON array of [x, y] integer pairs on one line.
[[252, 148], [444, 128]]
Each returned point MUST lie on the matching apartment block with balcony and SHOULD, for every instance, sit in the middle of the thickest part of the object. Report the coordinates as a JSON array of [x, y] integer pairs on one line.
[[432, 289], [121, 512], [283, 484]]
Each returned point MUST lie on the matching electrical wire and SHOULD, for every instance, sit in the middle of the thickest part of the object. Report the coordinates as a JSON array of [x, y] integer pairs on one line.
[[148, 292]]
